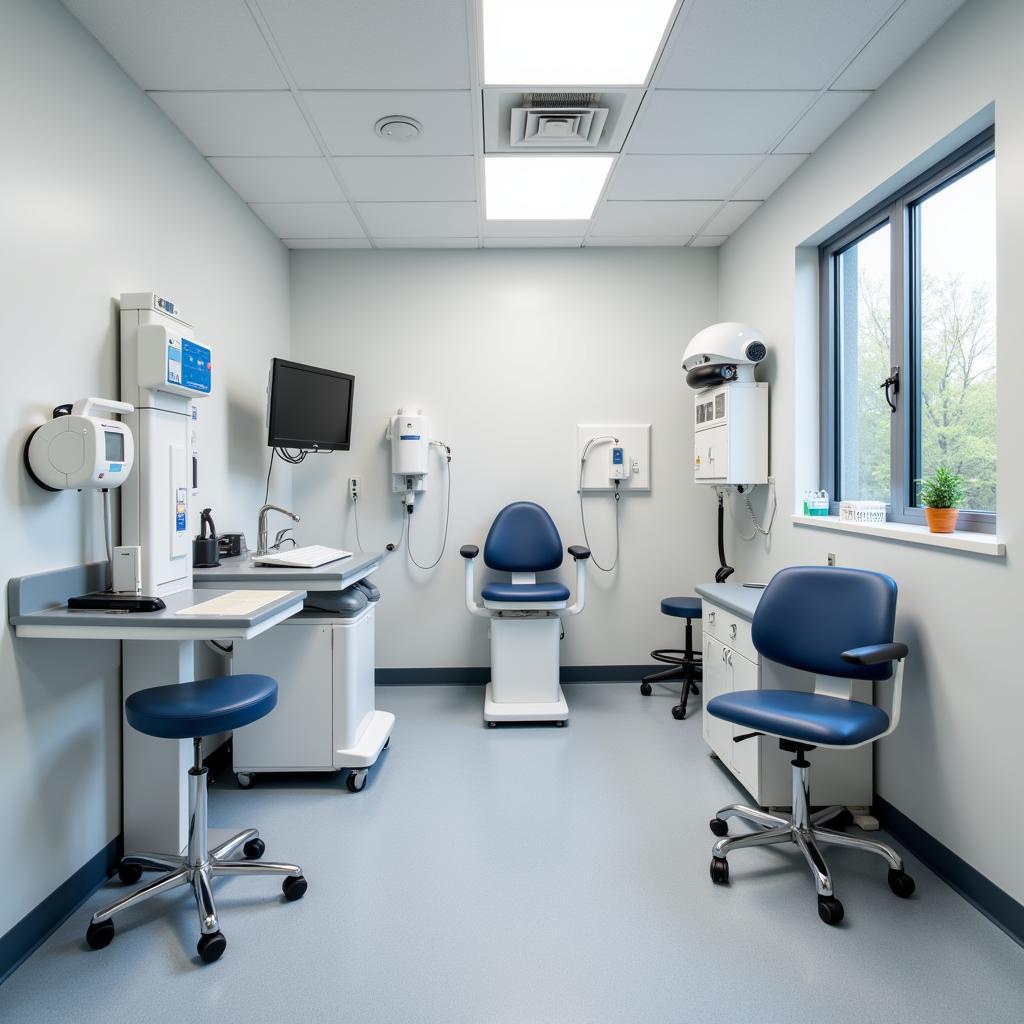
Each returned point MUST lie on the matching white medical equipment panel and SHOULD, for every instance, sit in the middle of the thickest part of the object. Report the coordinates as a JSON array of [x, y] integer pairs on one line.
[[730, 434], [732, 663], [600, 472]]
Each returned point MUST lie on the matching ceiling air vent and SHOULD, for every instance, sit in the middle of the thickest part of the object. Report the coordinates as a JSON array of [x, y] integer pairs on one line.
[[557, 120]]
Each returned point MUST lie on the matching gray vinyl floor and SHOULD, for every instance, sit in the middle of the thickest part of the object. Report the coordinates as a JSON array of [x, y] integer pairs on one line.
[[527, 875]]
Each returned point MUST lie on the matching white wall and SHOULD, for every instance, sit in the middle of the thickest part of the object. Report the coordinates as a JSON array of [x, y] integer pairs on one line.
[[100, 194], [507, 351], [953, 766]]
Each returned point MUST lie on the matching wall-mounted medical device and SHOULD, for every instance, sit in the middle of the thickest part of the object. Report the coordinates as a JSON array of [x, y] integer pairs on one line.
[[79, 450], [730, 408], [409, 435], [164, 368]]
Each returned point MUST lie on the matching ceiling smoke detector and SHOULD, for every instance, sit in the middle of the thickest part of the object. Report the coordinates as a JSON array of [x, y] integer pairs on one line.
[[398, 128]]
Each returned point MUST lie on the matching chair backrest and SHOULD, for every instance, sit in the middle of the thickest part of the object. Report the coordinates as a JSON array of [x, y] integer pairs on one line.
[[809, 614], [523, 538]]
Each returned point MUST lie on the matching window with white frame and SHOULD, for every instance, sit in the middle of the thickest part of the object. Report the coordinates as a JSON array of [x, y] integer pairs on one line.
[[908, 343]]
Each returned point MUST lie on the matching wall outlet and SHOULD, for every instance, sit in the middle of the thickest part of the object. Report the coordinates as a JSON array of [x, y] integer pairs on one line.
[[355, 486], [831, 559]]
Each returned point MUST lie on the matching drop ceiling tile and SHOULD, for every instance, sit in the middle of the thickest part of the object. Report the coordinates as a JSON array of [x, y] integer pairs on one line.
[[821, 121], [534, 228], [730, 217], [240, 123], [533, 243], [361, 44], [327, 243], [280, 179], [409, 178], [346, 120], [901, 35], [419, 220], [624, 219], [768, 44], [427, 243], [188, 44], [678, 177], [708, 241], [714, 122], [309, 220], [673, 241], [774, 170]]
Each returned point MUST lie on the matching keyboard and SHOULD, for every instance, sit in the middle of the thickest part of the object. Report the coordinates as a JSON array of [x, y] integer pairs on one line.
[[303, 558]]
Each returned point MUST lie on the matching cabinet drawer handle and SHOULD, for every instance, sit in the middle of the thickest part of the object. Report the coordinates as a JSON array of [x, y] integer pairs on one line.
[[732, 631], [729, 659], [711, 618]]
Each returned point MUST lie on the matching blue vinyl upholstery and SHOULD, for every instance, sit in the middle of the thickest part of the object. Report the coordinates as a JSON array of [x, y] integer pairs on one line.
[[207, 706], [682, 607], [805, 717], [524, 592], [809, 615], [523, 538]]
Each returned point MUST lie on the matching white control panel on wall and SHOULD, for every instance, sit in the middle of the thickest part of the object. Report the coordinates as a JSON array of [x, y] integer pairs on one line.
[[635, 441]]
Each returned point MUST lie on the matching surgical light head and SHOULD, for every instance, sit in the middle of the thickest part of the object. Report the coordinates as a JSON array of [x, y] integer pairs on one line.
[[723, 352], [77, 450]]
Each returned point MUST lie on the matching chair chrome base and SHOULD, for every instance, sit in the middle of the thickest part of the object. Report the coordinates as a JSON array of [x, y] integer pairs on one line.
[[806, 830], [196, 869]]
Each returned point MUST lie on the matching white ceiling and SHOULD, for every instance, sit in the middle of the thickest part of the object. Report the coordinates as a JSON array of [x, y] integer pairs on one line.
[[282, 97]]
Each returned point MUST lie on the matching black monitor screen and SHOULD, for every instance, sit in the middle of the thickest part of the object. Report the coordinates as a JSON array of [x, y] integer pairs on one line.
[[309, 407]]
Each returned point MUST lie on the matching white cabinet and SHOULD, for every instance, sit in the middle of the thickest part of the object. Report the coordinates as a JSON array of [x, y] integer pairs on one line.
[[732, 663]]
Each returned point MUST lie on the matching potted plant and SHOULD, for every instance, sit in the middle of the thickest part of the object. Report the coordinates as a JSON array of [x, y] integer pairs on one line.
[[941, 496]]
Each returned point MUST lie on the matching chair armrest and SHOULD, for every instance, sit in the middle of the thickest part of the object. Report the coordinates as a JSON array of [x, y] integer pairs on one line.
[[875, 654], [469, 551], [578, 551]]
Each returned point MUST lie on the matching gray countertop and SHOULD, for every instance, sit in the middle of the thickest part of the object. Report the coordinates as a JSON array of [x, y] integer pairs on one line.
[[241, 572], [734, 597]]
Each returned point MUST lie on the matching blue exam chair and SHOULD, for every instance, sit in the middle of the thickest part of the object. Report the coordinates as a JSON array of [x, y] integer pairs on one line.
[[838, 624], [525, 614]]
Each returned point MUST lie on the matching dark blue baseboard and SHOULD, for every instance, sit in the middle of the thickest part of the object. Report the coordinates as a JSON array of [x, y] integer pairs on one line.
[[41, 922], [478, 675], [999, 907]]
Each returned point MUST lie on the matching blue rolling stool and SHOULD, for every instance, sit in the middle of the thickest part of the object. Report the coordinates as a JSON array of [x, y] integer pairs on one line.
[[193, 710], [687, 664]]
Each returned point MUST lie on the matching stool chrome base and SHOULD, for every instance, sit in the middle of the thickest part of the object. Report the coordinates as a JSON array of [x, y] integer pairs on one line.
[[196, 869], [806, 830]]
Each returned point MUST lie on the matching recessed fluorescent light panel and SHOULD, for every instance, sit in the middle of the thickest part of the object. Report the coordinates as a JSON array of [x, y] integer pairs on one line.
[[572, 42], [544, 187]]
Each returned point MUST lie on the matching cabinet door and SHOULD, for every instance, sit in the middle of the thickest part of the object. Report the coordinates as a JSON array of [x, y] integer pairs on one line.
[[717, 680], [746, 755]]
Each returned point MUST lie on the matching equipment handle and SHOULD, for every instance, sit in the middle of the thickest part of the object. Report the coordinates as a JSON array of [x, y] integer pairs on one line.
[[85, 406]]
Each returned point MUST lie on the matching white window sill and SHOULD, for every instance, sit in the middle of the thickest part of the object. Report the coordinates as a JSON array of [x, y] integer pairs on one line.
[[908, 533]]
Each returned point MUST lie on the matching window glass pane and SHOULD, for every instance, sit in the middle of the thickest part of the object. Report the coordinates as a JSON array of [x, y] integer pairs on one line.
[[955, 426], [863, 359]]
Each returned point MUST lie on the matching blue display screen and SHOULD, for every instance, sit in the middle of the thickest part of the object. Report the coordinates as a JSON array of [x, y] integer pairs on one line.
[[196, 366]]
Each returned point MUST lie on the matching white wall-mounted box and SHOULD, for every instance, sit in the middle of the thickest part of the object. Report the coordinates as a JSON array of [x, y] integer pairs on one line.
[[634, 438]]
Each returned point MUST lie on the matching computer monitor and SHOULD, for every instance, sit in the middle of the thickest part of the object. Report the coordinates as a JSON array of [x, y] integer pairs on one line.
[[309, 407]]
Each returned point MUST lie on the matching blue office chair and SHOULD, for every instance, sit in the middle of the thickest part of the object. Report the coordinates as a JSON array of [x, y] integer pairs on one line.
[[838, 624], [525, 614], [190, 711]]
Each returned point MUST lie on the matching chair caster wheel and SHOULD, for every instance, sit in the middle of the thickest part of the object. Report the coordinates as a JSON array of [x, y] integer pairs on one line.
[[719, 827], [678, 712], [356, 781], [695, 689], [830, 910], [294, 888], [244, 779], [645, 689], [100, 935], [129, 874], [719, 871], [254, 849], [211, 947], [901, 883]]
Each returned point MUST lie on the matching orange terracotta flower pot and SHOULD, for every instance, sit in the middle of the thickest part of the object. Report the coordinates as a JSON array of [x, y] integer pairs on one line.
[[941, 520]]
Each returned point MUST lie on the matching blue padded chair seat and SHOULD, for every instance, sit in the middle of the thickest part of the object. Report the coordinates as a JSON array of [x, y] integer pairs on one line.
[[805, 717], [682, 607], [524, 592], [183, 711]]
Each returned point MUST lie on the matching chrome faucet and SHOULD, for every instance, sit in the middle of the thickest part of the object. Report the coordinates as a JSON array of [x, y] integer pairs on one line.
[[261, 533]]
